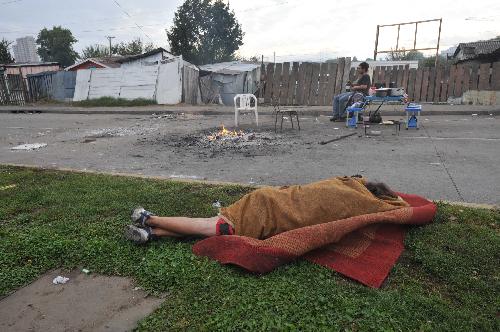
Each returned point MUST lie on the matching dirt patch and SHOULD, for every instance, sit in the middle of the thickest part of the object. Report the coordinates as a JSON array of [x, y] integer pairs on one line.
[[250, 143], [84, 303]]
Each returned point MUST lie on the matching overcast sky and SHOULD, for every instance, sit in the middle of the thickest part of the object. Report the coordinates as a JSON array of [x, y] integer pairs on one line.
[[294, 29]]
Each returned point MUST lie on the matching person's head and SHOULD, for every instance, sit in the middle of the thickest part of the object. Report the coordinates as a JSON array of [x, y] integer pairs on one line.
[[380, 190], [363, 68]]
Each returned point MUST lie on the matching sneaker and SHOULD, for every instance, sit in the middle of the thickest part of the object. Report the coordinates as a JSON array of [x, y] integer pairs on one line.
[[137, 234], [140, 216]]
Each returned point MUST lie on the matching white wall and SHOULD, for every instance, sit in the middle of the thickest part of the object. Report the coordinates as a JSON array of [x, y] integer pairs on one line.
[[162, 83]]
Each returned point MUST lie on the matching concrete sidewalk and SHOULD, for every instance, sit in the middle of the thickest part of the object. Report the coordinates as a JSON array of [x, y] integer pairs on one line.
[[391, 110]]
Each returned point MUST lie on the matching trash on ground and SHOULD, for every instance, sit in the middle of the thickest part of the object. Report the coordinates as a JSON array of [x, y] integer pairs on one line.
[[60, 280], [435, 164], [217, 205], [190, 177], [474, 114], [388, 122], [10, 186], [86, 271], [29, 147]]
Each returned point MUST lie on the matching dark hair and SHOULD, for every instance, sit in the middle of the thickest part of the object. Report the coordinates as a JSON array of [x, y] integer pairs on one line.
[[364, 66], [380, 189]]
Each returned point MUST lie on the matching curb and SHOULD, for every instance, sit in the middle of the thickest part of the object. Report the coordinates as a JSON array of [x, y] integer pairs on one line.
[[162, 112], [208, 182]]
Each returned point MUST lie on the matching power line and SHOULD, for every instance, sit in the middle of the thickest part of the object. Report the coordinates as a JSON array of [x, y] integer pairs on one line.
[[9, 2], [126, 13], [96, 30]]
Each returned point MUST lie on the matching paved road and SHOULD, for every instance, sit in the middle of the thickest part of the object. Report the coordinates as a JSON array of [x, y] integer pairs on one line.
[[453, 158]]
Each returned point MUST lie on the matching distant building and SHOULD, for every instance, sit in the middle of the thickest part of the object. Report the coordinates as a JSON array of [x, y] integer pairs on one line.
[[25, 50], [478, 52], [448, 53], [29, 68], [93, 63]]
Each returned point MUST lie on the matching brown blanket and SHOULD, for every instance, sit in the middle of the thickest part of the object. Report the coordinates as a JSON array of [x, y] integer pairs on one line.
[[268, 211]]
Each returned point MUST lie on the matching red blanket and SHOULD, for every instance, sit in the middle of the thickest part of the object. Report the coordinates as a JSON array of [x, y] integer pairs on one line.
[[364, 248]]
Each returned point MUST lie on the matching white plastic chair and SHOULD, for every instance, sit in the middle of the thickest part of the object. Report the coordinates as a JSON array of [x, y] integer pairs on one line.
[[242, 102]]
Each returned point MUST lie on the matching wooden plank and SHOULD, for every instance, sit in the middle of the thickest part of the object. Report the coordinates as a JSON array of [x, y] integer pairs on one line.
[[432, 84], [387, 77], [418, 85], [332, 79], [466, 79], [269, 83], [484, 76], [444, 87], [459, 77], [338, 78], [285, 78], [313, 92], [352, 74], [406, 74], [300, 85], [438, 82], [495, 76], [277, 82], [394, 75], [375, 75], [347, 69], [425, 84], [381, 76], [399, 76], [307, 84], [452, 80], [323, 81], [411, 84], [262, 80], [474, 77], [292, 84]]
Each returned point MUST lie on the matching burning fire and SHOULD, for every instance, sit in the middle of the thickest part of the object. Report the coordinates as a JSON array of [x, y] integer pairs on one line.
[[223, 133]]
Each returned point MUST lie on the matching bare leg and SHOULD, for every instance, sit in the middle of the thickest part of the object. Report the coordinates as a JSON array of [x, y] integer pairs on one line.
[[185, 226], [163, 233]]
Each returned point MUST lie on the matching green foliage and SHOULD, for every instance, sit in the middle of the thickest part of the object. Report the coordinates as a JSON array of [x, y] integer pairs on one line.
[[431, 61], [446, 280], [134, 47], [405, 55], [57, 45], [205, 31], [111, 102], [95, 51], [5, 56]]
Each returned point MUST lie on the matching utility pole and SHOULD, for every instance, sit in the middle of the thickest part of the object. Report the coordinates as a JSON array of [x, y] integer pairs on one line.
[[274, 57], [110, 51]]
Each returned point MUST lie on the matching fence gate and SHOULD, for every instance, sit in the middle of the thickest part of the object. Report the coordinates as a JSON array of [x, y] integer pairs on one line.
[[12, 90]]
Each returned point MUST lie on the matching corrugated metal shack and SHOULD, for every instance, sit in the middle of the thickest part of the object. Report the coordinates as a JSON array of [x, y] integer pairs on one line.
[[220, 82]]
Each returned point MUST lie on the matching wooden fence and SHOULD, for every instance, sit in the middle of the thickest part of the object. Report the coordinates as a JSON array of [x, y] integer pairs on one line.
[[13, 90], [317, 83], [304, 83]]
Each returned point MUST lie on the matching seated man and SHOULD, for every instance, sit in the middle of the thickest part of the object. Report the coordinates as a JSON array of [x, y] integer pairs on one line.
[[272, 210], [361, 85]]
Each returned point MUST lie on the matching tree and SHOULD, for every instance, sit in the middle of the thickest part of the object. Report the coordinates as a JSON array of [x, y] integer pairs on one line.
[[95, 51], [5, 56], [133, 47], [405, 55], [57, 45], [205, 31]]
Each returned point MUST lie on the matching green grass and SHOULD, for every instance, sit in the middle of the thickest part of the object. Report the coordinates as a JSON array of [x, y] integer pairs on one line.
[[446, 280], [113, 102]]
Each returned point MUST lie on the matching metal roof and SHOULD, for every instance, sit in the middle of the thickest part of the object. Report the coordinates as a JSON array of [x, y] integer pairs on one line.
[[230, 68], [476, 49]]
